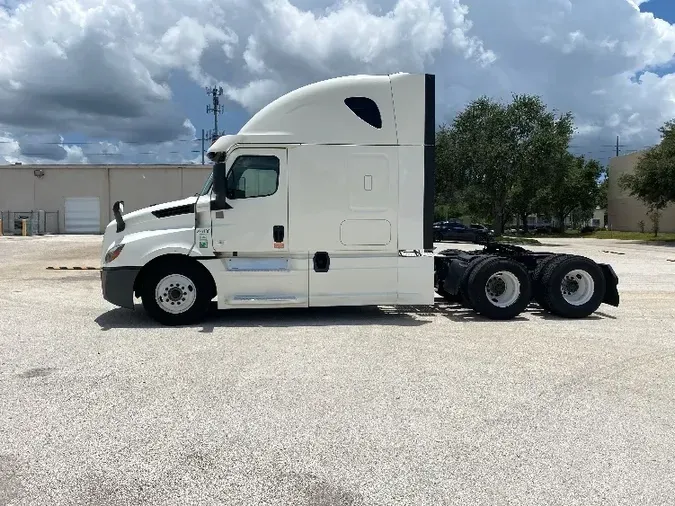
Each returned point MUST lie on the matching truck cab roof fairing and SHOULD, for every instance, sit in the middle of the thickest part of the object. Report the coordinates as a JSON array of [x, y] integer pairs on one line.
[[318, 114]]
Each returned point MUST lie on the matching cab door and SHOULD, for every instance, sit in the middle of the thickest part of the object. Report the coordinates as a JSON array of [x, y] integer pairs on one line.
[[251, 235]]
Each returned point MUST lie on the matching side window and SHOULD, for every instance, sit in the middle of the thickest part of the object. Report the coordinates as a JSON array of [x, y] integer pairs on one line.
[[253, 176], [366, 109]]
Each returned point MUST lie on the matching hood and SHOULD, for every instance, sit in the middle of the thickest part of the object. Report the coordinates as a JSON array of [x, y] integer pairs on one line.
[[165, 216], [174, 214], [177, 206]]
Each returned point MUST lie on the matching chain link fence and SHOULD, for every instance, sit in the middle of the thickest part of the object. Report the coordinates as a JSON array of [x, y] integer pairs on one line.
[[38, 222]]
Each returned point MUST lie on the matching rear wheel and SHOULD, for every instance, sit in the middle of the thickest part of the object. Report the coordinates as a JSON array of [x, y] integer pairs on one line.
[[537, 286], [573, 286], [499, 288], [464, 294], [176, 293]]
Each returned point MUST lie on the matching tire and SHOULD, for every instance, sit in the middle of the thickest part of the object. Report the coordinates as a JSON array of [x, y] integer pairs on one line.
[[509, 284], [537, 287], [464, 294], [169, 277], [578, 299]]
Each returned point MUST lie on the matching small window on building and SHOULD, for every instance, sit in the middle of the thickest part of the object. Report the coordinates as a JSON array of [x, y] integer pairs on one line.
[[253, 176], [366, 109]]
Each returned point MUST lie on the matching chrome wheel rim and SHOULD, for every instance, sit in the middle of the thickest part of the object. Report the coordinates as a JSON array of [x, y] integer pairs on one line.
[[175, 293], [502, 289], [577, 287]]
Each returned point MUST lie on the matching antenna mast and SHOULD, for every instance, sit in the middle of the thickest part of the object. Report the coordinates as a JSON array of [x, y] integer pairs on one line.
[[216, 108]]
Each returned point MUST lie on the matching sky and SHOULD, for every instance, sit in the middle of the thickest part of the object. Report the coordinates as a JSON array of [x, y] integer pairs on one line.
[[123, 81]]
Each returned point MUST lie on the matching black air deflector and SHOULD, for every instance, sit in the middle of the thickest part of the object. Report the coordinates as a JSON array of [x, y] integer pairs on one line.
[[429, 160], [174, 211], [366, 109]]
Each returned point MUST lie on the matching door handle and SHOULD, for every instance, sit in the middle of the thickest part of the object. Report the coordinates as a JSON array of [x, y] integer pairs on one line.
[[278, 233]]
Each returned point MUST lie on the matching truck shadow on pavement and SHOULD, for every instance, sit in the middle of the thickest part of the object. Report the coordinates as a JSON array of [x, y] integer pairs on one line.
[[403, 316], [457, 312], [290, 317]]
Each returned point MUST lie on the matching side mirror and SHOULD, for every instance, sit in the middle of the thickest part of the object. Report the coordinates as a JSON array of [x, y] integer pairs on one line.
[[118, 210], [220, 186]]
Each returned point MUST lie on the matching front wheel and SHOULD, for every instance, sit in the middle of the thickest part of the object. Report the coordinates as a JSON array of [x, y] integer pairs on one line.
[[177, 294]]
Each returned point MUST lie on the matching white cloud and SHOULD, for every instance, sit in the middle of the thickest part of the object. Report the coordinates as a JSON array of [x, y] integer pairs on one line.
[[256, 93], [289, 46], [9, 149], [82, 65], [38, 149], [579, 56], [102, 68]]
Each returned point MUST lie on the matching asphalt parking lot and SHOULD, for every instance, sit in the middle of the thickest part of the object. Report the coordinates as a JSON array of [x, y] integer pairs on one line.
[[101, 406]]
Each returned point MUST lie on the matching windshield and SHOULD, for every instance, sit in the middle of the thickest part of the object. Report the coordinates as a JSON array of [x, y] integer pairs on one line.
[[207, 185]]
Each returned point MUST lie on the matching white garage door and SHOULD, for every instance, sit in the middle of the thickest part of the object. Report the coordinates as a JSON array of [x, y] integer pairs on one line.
[[83, 215]]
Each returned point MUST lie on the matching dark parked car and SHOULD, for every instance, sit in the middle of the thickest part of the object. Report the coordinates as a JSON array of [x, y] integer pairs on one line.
[[452, 231], [482, 228], [542, 229]]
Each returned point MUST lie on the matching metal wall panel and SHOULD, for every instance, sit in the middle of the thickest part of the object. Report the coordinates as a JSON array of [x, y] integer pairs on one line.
[[83, 215]]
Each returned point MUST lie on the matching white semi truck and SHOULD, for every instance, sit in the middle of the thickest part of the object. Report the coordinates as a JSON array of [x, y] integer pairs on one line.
[[325, 198]]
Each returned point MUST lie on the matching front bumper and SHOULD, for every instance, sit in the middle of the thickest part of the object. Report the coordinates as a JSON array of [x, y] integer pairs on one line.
[[117, 284]]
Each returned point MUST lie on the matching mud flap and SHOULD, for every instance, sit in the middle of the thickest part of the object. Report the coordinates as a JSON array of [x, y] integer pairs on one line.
[[454, 276], [611, 285]]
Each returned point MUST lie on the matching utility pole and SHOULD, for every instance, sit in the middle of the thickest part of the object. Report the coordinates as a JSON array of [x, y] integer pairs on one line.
[[216, 108], [617, 145], [209, 136]]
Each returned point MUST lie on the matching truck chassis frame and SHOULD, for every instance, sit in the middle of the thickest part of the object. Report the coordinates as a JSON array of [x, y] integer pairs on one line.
[[566, 285]]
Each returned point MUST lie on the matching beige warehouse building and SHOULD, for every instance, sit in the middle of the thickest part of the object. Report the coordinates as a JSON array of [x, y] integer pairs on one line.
[[78, 198], [624, 212]]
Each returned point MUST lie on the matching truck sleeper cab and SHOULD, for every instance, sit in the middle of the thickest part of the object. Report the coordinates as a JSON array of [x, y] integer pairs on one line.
[[321, 199], [325, 198]]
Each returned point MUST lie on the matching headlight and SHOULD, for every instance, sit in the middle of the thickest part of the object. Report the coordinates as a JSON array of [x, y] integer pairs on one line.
[[113, 253]]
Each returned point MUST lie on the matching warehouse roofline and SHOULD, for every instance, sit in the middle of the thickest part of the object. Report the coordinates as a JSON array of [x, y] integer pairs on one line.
[[634, 154], [106, 166]]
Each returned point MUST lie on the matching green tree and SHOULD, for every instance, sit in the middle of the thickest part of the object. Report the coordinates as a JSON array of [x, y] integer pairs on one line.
[[653, 181], [480, 159], [495, 157], [540, 141], [655, 218], [574, 188], [450, 180], [580, 217]]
